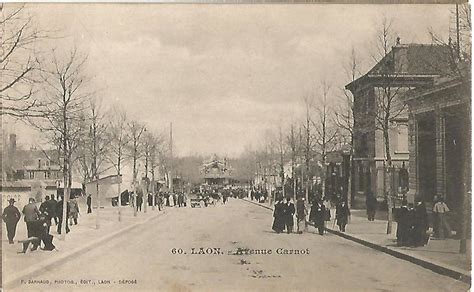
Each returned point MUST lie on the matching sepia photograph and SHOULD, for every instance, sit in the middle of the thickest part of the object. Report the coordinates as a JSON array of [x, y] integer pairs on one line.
[[235, 146]]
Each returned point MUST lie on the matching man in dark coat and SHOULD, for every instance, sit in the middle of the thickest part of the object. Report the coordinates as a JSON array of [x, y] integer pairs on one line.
[[11, 216], [342, 215], [278, 213], [317, 215], [59, 211], [48, 209], [289, 213], [371, 204], [402, 224], [89, 204], [420, 224], [54, 203]]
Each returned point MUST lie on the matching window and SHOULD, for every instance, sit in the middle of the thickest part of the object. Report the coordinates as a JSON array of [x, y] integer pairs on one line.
[[402, 138], [32, 174], [47, 174]]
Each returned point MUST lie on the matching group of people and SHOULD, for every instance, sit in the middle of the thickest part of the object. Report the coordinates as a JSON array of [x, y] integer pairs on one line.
[[175, 199], [258, 195], [283, 216], [319, 214], [39, 220], [412, 224]]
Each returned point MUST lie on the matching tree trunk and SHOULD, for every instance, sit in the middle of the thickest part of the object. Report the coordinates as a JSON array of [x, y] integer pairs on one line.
[[389, 192], [119, 190]]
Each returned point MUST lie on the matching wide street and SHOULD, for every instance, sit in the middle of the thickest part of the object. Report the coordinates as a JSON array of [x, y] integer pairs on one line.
[[145, 259]]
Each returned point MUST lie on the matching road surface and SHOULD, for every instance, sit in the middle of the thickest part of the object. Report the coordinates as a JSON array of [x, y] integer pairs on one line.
[[158, 256]]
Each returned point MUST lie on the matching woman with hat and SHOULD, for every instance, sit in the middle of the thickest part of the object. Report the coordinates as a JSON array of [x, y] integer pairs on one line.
[[11, 216]]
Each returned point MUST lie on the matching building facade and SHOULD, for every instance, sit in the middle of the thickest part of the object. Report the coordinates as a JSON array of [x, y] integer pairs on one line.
[[404, 68], [216, 171], [440, 144], [31, 173]]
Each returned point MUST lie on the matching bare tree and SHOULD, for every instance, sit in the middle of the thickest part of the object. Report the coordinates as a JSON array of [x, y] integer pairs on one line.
[[308, 144], [344, 114], [119, 143], [136, 130], [325, 133], [282, 149], [63, 113], [93, 151], [151, 145], [388, 105], [294, 148], [19, 62]]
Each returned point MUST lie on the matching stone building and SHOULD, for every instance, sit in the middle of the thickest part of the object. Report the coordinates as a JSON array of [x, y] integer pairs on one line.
[[28, 173], [440, 142], [405, 67]]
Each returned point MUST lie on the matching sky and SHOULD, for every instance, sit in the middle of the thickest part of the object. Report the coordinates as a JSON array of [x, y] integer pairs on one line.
[[224, 75]]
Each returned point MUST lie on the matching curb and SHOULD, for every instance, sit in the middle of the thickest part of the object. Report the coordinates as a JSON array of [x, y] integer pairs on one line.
[[439, 269], [12, 283]]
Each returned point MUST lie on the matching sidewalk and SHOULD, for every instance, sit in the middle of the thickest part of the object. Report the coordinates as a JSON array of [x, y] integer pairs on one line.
[[441, 256], [82, 237]]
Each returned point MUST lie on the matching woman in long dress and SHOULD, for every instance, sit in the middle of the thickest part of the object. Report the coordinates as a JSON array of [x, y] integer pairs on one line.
[[278, 215]]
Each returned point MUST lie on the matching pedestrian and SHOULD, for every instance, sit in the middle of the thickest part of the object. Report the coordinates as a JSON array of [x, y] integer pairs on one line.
[[53, 203], [47, 209], [342, 215], [300, 215], [89, 204], [440, 210], [327, 212], [73, 211], [289, 213], [150, 199], [139, 201], [31, 213], [278, 215], [168, 200], [11, 215], [420, 225], [59, 212], [317, 215], [403, 224], [371, 205]]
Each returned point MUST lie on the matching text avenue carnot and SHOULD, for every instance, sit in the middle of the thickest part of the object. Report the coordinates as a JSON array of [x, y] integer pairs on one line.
[[238, 251]]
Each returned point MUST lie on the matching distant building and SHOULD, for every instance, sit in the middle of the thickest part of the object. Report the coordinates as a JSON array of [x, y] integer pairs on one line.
[[216, 171], [409, 66], [28, 173]]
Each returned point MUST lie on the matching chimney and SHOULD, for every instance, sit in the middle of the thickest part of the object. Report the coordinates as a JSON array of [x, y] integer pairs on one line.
[[12, 142]]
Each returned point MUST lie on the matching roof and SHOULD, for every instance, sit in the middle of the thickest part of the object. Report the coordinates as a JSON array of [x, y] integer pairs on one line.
[[22, 159], [410, 60]]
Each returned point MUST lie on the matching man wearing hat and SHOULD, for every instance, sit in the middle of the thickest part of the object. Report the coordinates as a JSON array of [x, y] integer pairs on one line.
[[11, 216]]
